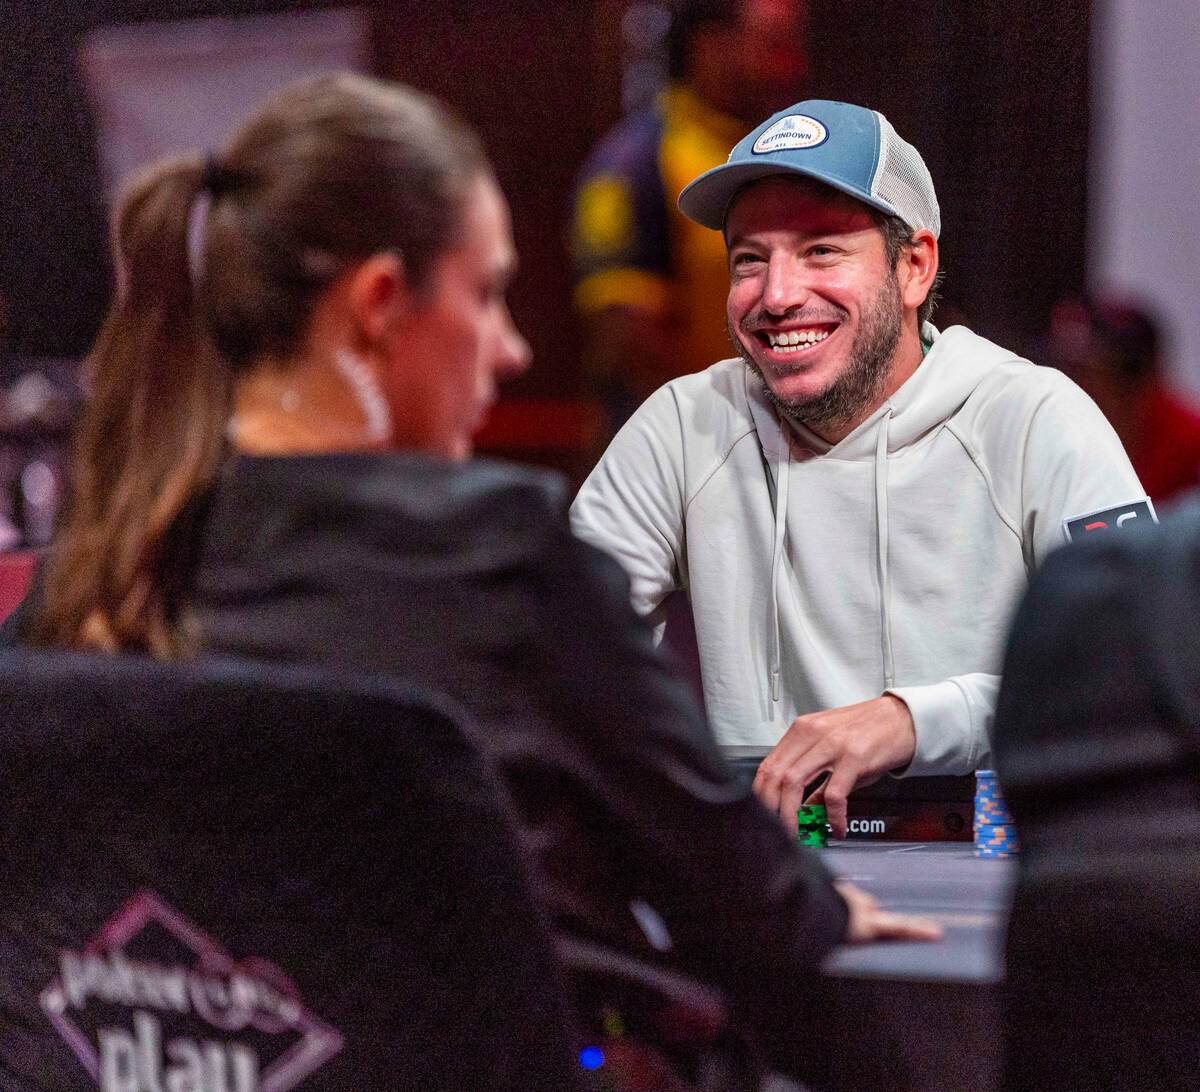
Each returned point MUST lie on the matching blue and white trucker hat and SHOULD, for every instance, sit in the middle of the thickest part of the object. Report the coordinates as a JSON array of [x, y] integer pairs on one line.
[[850, 148]]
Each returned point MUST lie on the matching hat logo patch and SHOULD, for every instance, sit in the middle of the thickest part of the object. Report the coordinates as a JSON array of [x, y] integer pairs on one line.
[[793, 131]]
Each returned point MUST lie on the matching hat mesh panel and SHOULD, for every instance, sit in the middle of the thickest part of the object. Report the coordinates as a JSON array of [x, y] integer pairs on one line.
[[903, 181]]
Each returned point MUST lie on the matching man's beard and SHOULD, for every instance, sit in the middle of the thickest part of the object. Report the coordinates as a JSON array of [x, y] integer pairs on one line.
[[863, 379]]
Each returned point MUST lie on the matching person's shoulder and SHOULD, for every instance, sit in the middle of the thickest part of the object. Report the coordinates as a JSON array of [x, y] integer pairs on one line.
[[717, 390], [629, 147], [408, 495], [677, 439], [1038, 434], [472, 488], [1005, 374], [710, 408], [1009, 390]]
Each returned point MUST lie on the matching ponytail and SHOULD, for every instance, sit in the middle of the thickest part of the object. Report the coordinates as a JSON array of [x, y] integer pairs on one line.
[[149, 442], [325, 174]]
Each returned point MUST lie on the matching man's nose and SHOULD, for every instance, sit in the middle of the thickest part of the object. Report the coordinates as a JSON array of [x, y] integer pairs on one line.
[[513, 353], [786, 287]]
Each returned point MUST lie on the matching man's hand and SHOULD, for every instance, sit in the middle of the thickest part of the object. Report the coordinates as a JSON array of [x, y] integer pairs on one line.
[[867, 922], [855, 744]]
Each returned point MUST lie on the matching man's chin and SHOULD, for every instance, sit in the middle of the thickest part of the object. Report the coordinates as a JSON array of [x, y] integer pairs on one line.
[[796, 409], [794, 404], [815, 409], [784, 393], [756, 368]]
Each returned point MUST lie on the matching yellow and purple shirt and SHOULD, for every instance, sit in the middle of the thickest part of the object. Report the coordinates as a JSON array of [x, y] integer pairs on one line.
[[633, 247]]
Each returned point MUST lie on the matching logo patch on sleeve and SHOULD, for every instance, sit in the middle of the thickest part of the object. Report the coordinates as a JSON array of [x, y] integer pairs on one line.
[[1137, 513]]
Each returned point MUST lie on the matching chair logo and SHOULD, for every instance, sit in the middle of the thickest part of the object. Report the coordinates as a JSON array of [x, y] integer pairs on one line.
[[187, 1018]]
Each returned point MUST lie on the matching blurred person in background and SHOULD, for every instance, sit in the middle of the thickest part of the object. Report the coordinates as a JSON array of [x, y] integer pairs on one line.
[[651, 284], [10, 536], [35, 415], [1112, 348], [273, 464], [5, 325]]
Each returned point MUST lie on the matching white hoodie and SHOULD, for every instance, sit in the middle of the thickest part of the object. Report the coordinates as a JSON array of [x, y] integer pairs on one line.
[[889, 562]]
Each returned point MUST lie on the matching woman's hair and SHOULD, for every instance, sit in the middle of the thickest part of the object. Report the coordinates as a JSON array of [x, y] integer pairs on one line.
[[326, 174]]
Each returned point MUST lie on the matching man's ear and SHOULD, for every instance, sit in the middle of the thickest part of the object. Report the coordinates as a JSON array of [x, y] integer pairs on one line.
[[378, 294], [917, 268]]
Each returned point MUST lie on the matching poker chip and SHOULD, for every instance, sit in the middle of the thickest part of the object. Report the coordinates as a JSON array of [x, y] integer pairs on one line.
[[995, 834], [814, 825]]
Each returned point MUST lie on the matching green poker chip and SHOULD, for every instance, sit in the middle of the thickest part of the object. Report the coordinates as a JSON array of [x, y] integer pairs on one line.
[[813, 825]]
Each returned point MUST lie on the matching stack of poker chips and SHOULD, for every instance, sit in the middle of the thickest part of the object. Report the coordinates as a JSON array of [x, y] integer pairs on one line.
[[814, 825], [995, 835]]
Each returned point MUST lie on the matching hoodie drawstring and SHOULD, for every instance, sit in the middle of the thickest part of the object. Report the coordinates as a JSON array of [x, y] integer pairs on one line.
[[881, 528], [781, 492]]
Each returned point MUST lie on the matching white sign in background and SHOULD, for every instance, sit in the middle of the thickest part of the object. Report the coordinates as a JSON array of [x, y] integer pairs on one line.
[[1144, 208], [169, 87]]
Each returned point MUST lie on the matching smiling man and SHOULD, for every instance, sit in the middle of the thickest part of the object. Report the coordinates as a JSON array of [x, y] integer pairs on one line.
[[855, 503]]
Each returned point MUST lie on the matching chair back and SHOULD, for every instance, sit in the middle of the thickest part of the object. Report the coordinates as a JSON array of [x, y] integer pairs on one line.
[[232, 877], [1097, 743], [16, 572]]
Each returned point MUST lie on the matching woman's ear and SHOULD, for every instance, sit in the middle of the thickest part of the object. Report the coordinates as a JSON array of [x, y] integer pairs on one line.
[[378, 294]]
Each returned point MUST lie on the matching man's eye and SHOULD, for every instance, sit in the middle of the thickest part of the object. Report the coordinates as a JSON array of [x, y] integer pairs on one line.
[[744, 259]]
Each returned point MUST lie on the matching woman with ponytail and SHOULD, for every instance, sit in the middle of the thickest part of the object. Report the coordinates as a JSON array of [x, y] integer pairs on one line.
[[274, 464], [263, 302]]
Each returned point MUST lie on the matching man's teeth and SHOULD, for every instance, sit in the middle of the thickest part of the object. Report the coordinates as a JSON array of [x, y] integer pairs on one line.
[[796, 339]]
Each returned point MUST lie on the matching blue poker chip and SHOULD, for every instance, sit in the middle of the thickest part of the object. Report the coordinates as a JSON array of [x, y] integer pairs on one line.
[[997, 850], [995, 813], [995, 834]]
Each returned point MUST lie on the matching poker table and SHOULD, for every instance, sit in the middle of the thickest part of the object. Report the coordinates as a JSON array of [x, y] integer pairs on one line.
[[925, 1016]]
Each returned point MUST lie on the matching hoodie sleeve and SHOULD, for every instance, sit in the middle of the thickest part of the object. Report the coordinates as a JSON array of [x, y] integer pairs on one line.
[[632, 504], [953, 722], [1052, 457], [1072, 464]]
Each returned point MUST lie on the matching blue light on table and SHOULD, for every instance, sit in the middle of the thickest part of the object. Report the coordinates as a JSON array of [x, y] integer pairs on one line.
[[591, 1057]]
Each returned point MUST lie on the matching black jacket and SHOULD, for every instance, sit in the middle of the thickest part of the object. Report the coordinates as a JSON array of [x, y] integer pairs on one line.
[[466, 579]]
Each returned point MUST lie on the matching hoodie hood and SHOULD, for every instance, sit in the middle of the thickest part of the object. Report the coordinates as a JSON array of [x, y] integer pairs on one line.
[[956, 363]]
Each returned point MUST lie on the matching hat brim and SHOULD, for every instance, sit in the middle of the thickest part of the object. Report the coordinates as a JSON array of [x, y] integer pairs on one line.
[[706, 199]]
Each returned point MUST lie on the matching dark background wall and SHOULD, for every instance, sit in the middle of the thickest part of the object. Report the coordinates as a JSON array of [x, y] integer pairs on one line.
[[994, 94]]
